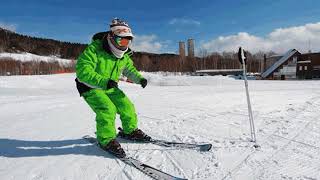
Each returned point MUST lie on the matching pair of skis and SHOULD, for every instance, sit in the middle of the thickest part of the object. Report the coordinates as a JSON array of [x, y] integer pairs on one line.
[[151, 171]]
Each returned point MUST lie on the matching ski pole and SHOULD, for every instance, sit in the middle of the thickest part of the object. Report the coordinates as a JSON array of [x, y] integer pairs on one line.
[[242, 55]]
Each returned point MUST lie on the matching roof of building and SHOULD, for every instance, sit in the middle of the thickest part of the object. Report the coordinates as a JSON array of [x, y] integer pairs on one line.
[[279, 62]]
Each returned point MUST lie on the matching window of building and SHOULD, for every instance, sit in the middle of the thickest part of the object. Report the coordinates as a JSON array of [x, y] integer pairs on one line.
[[295, 59], [300, 68], [316, 67], [305, 68]]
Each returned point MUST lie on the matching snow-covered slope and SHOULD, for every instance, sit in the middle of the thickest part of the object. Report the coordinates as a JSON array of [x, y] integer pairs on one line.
[[42, 120], [33, 57]]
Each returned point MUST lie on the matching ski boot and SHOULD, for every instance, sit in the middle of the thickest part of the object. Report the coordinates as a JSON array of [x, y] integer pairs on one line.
[[114, 148], [137, 135]]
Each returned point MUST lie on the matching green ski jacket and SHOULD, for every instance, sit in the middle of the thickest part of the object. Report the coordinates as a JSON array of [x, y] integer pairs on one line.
[[96, 66]]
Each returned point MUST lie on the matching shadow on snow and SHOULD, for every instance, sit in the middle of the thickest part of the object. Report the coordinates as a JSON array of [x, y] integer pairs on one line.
[[14, 148]]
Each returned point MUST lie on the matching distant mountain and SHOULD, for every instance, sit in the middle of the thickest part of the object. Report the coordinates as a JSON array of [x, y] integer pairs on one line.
[[12, 42], [16, 43]]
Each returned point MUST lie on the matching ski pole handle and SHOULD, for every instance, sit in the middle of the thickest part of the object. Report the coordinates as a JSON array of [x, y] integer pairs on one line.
[[242, 56]]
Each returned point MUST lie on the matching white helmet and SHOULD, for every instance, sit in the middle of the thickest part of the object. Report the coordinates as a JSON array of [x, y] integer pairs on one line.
[[120, 28]]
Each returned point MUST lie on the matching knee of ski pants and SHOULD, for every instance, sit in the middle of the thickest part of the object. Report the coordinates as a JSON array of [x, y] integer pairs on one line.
[[122, 102], [126, 110], [101, 104]]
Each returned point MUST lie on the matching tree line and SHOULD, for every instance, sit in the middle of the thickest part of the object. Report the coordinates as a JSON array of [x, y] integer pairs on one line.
[[15, 43], [10, 66], [175, 63], [149, 62]]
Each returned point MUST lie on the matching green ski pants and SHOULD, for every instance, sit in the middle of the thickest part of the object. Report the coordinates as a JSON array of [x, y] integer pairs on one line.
[[106, 104]]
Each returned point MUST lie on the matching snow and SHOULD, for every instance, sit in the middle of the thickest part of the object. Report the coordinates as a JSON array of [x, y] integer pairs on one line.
[[24, 57], [43, 119], [220, 70]]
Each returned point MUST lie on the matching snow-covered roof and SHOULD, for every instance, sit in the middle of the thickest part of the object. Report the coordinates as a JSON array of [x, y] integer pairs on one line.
[[307, 61], [278, 63]]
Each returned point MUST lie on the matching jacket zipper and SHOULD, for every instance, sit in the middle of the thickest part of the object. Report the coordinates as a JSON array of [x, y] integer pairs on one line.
[[115, 64]]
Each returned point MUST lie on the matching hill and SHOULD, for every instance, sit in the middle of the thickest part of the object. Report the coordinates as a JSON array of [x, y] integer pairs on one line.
[[11, 42], [17, 43]]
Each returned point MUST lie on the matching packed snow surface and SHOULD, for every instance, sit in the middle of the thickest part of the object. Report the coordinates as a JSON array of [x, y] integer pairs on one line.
[[43, 120]]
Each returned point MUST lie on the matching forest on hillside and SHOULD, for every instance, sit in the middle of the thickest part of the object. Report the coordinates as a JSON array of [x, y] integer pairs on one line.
[[16, 43]]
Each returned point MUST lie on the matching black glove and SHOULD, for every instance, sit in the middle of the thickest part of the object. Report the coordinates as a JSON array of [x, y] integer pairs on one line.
[[143, 82], [112, 84]]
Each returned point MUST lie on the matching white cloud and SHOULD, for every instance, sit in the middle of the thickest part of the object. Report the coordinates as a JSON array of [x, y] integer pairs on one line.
[[279, 40], [183, 21], [146, 43], [11, 27]]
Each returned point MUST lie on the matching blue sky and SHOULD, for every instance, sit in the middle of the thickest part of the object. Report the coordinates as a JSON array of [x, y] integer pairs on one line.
[[160, 25]]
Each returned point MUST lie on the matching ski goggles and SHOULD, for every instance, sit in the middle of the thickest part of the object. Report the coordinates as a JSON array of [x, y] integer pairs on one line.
[[122, 41]]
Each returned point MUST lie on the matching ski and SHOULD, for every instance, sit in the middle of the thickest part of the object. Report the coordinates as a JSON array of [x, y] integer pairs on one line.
[[200, 147], [144, 168], [181, 145]]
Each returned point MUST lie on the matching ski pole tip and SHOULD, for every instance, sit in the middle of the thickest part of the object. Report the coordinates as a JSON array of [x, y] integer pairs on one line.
[[257, 146]]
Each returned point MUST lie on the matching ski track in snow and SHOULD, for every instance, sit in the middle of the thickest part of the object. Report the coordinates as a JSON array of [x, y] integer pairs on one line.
[[43, 119], [267, 163]]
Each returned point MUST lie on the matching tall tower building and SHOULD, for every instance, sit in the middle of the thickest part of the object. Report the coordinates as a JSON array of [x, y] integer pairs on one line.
[[190, 47], [182, 49]]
